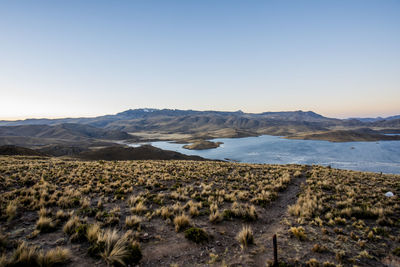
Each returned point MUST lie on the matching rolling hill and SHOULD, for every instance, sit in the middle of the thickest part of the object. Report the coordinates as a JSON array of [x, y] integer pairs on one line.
[[144, 152], [10, 150], [68, 131], [67, 134], [197, 125], [363, 134]]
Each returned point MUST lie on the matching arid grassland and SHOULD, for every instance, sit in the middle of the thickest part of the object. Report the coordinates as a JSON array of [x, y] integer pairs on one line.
[[193, 213]]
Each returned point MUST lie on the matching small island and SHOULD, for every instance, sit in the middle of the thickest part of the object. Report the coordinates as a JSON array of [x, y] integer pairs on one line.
[[202, 144]]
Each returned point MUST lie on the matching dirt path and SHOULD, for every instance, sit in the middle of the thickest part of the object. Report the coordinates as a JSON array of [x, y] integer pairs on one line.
[[275, 213], [175, 248]]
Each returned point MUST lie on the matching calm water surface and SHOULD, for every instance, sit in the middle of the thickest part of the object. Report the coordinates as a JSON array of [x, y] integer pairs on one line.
[[381, 156]]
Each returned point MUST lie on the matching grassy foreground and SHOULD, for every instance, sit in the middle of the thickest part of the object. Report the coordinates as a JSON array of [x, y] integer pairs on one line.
[[190, 213]]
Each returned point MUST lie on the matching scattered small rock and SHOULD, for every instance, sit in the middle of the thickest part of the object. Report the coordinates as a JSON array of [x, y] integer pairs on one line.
[[389, 194]]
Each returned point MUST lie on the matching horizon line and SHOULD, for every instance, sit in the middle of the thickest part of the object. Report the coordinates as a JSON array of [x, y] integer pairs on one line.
[[43, 117]]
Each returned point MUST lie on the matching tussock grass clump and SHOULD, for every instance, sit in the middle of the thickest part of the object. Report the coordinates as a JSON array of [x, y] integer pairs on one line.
[[364, 254], [43, 212], [264, 197], [25, 255], [139, 208], [181, 222], [244, 211], [340, 221], [80, 233], [45, 225], [283, 182], [196, 235], [306, 206], [93, 232], [213, 207], [165, 212], [71, 225], [11, 210], [133, 221], [119, 249], [216, 217], [115, 249], [319, 248], [245, 236], [194, 211], [298, 232], [54, 257], [76, 229], [69, 201], [194, 207], [85, 203], [62, 215], [133, 200]]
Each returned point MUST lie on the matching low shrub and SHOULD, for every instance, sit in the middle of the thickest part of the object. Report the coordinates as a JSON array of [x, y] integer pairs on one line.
[[196, 235]]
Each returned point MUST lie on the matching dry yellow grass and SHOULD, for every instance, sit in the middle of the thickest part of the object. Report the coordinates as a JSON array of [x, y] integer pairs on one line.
[[343, 210], [71, 224], [348, 212], [25, 255], [93, 231], [298, 232], [133, 221], [181, 222], [245, 236], [11, 210], [54, 257], [45, 224], [139, 208]]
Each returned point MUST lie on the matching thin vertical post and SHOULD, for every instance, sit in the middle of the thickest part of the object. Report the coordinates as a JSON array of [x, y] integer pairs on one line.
[[275, 244]]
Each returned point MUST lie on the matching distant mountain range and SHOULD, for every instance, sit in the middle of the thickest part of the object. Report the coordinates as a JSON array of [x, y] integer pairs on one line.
[[377, 119], [81, 133], [107, 121]]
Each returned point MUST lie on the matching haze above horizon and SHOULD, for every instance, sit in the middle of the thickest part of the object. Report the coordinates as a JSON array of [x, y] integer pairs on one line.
[[88, 58]]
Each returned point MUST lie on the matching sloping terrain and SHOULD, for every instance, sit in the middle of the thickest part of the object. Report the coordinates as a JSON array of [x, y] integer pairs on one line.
[[196, 124], [67, 135], [66, 131], [189, 213], [19, 151], [347, 136], [144, 152], [395, 123]]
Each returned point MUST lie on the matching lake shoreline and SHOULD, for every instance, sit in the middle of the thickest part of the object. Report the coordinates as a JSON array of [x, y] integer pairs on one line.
[[380, 156]]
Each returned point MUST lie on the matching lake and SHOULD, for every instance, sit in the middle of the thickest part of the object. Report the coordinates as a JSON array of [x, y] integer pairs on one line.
[[380, 156]]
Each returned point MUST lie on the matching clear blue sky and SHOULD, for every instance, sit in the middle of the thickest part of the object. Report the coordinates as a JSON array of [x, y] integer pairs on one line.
[[339, 58]]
